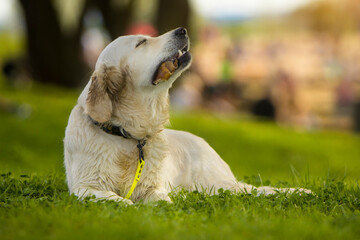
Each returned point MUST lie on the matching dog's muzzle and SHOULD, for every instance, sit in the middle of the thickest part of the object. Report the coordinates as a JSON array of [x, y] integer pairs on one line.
[[180, 59]]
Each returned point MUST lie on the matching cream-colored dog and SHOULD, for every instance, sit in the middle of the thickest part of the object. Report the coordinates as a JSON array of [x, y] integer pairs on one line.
[[129, 91]]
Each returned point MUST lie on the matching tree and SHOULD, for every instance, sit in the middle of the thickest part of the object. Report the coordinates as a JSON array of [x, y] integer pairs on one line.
[[56, 55], [172, 14]]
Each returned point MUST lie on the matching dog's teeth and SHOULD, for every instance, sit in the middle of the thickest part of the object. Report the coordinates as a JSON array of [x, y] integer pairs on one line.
[[180, 53]]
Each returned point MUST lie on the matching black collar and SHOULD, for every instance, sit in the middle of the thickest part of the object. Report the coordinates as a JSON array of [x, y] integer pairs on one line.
[[120, 131], [112, 129]]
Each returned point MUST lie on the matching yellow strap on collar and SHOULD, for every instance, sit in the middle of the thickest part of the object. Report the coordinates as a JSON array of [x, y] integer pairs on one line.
[[140, 166], [141, 163]]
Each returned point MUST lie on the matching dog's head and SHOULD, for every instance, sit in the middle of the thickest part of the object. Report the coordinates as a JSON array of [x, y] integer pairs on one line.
[[146, 65]]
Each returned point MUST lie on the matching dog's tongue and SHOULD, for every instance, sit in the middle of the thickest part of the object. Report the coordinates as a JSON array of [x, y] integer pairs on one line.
[[165, 71]]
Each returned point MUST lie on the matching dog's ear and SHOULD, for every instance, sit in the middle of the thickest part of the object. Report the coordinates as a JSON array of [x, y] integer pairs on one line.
[[103, 91]]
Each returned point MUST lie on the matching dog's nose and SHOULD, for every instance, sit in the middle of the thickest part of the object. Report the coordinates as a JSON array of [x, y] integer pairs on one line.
[[180, 31]]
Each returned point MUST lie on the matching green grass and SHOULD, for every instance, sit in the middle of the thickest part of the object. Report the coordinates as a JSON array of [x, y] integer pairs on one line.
[[35, 204]]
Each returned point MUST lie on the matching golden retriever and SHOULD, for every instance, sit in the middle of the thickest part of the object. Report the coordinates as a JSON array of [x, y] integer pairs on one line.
[[129, 90]]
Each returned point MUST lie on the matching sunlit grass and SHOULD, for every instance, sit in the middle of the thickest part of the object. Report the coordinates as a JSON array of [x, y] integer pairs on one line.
[[35, 204], [40, 207]]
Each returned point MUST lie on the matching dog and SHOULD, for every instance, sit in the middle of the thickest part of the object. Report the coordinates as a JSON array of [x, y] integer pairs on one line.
[[119, 121]]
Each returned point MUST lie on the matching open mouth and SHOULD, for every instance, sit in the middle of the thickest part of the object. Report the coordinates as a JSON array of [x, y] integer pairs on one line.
[[168, 67]]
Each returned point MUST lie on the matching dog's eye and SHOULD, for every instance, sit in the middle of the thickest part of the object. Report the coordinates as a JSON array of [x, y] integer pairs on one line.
[[141, 42]]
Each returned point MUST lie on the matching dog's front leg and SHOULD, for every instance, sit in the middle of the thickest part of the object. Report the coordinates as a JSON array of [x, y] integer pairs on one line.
[[157, 195], [82, 193]]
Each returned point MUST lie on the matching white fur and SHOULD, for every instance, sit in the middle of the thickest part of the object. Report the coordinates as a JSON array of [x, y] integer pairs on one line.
[[103, 165]]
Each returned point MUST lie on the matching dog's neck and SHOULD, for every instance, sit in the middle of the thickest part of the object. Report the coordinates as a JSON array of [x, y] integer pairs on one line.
[[142, 117]]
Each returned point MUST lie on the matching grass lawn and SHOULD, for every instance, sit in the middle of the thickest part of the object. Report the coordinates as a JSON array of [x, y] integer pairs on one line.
[[35, 204]]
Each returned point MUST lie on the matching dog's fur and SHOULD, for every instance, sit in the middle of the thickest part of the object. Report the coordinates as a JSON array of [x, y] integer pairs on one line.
[[121, 92]]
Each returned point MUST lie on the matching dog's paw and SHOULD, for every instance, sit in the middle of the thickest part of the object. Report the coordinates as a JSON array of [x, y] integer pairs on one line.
[[114, 198], [158, 196], [120, 199]]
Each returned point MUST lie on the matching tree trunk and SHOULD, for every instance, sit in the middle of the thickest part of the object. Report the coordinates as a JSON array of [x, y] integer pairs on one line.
[[172, 14], [54, 57], [116, 18]]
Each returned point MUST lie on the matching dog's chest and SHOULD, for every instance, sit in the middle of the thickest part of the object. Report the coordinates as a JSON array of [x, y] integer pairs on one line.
[[127, 162]]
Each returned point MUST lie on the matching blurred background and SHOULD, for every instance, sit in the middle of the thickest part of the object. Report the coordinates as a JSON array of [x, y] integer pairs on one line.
[[293, 64]]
